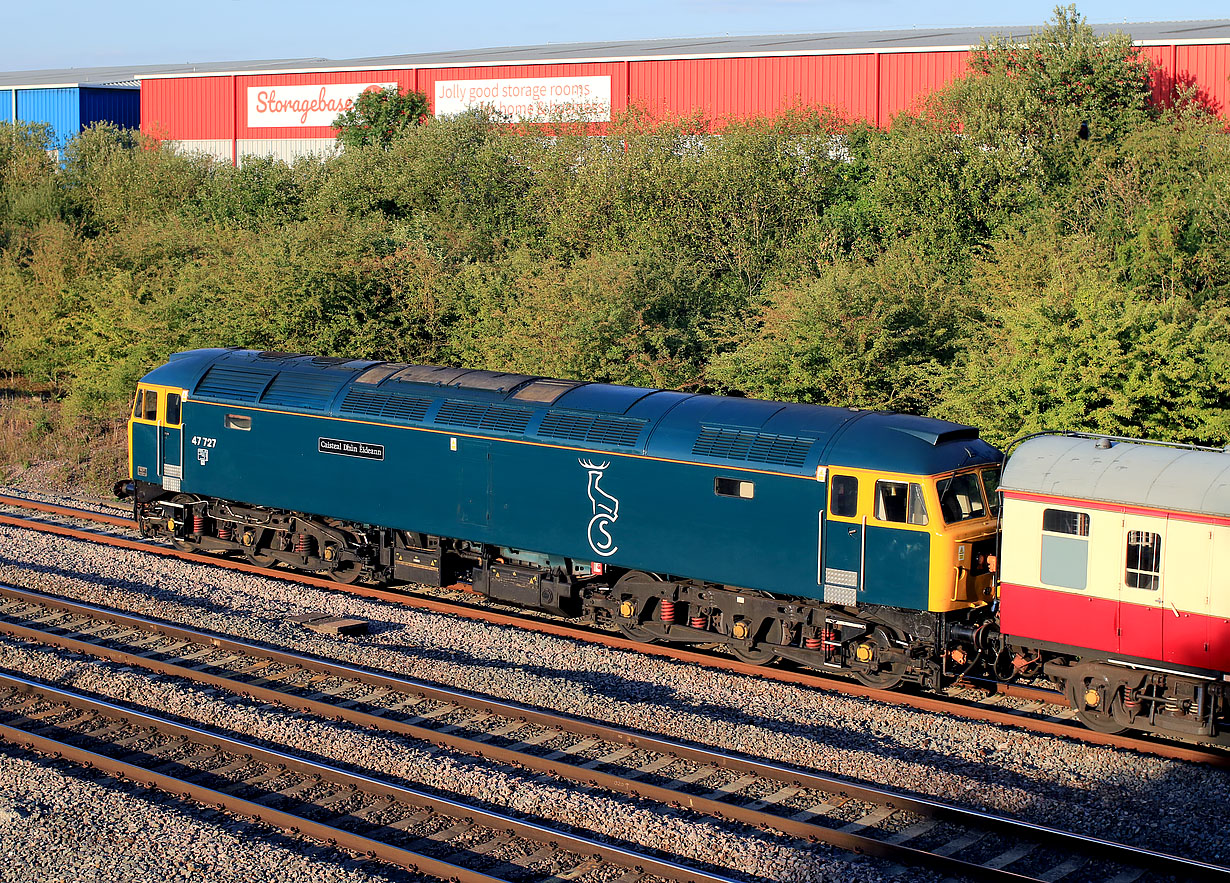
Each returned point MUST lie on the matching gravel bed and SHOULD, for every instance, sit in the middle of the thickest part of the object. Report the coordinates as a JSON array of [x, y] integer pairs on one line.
[[1050, 780], [62, 824]]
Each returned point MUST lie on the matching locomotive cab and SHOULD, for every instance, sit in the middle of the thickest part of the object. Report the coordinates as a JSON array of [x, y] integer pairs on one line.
[[918, 542]]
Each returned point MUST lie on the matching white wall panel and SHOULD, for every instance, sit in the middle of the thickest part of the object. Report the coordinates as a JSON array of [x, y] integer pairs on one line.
[[287, 149]]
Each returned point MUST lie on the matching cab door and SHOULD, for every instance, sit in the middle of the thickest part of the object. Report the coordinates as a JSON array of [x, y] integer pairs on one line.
[[843, 548], [144, 439], [170, 428]]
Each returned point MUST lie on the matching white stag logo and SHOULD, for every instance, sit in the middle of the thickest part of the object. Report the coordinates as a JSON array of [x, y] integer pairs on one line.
[[606, 511]]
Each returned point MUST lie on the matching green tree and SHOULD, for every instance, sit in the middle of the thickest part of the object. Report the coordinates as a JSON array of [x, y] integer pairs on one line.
[[379, 116]]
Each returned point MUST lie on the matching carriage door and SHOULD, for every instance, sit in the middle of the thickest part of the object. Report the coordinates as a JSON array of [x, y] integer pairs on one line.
[[170, 431], [1141, 552], [843, 542]]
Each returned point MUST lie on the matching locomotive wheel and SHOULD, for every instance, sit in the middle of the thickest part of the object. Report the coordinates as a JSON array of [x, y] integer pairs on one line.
[[1100, 720], [632, 630], [886, 677], [752, 654], [346, 572], [258, 554], [179, 542]]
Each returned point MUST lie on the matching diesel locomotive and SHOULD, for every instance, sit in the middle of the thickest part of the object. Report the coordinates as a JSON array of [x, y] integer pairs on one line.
[[847, 540]]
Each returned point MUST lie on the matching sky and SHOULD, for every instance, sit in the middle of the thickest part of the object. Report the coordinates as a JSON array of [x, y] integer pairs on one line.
[[86, 33]]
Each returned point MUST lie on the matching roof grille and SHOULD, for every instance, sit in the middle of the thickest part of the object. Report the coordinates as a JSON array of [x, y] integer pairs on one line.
[[734, 444], [476, 415], [371, 403], [290, 390], [614, 431], [236, 384]]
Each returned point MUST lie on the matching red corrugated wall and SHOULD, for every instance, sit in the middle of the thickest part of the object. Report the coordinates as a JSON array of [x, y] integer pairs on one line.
[[726, 88], [189, 108]]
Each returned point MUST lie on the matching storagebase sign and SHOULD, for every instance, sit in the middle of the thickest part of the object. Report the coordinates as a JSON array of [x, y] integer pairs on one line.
[[530, 100], [303, 106]]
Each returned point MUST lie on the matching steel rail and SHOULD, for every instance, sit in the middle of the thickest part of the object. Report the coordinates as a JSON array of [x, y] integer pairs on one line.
[[971, 711], [434, 803], [45, 629]]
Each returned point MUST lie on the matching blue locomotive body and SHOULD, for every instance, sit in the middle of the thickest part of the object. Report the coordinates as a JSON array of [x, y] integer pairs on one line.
[[573, 483]]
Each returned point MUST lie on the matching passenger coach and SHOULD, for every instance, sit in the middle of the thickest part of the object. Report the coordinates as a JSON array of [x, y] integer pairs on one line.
[[1116, 556]]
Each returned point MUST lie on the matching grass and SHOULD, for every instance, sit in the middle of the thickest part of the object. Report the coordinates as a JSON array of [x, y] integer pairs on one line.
[[43, 447]]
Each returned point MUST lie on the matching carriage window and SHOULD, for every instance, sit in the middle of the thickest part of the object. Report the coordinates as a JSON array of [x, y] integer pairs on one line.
[[1144, 560], [1065, 558], [900, 501], [150, 411], [173, 409], [1064, 521], [733, 487], [237, 421], [136, 405], [843, 498]]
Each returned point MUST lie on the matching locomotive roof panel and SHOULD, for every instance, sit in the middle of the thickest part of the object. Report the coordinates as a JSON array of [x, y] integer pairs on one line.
[[908, 443], [1178, 479], [751, 433]]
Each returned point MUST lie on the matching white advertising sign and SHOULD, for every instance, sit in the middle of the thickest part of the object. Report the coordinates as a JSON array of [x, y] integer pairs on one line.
[[303, 106], [523, 99]]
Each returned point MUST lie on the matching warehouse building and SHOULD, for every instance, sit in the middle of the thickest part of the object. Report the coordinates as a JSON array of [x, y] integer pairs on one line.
[[285, 110]]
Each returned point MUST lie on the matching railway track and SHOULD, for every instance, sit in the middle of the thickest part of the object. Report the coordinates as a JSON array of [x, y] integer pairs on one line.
[[801, 803], [1041, 713], [427, 833]]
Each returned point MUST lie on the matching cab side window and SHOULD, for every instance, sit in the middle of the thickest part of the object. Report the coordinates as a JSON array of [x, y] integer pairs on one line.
[[843, 496], [138, 403], [149, 410], [173, 409], [900, 501]]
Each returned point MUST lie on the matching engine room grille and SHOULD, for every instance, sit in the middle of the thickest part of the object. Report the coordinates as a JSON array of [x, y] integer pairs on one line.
[[300, 391], [234, 384], [614, 431], [734, 444], [476, 415], [370, 403]]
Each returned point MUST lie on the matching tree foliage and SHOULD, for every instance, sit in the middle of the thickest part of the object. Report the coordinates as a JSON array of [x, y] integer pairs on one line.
[[978, 260], [379, 116]]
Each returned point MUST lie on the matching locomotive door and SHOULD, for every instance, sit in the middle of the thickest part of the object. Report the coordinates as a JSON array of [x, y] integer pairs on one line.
[[474, 477], [143, 437], [844, 542], [170, 429], [1141, 548]]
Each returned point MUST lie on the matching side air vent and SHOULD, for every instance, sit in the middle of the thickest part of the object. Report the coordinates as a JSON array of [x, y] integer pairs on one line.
[[476, 415], [370, 403], [233, 384], [311, 391], [734, 444], [614, 431]]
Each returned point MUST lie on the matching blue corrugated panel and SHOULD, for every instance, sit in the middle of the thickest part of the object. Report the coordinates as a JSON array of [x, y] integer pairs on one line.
[[6, 105], [59, 107], [119, 106]]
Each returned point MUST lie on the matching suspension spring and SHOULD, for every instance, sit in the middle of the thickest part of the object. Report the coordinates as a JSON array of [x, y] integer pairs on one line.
[[225, 531], [699, 622], [198, 522], [668, 610], [811, 642], [303, 544]]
